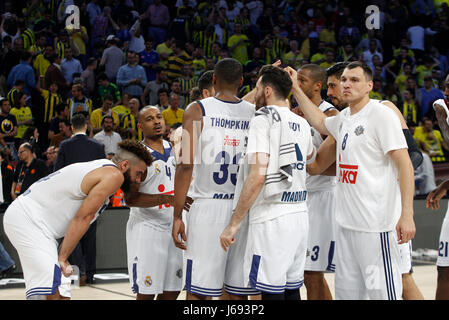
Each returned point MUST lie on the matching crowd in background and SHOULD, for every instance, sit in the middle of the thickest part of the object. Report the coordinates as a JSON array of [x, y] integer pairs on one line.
[[126, 54]]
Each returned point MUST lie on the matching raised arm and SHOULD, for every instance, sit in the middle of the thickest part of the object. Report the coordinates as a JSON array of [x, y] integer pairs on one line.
[[314, 115]]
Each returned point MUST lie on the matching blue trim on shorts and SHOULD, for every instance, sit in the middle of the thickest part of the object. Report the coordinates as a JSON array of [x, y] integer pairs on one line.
[[135, 286], [254, 271], [269, 288], [389, 278], [188, 286], [294, 285], [240, 291], [330, 257], [47, 290], [205, 291]]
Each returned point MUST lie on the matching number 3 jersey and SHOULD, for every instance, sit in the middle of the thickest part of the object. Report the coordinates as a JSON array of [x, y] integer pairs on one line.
[[52, 202], [368, 194], [159, 180], [222, 144]]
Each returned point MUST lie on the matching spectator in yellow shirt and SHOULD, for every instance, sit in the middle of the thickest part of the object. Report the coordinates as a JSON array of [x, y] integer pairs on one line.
[[238, 44], [96, 117], [42, 62], [173, 114], [23, 114], [432, 141]]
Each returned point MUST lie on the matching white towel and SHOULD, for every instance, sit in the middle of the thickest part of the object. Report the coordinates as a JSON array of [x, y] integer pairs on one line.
[[282, 153], [442, 103]]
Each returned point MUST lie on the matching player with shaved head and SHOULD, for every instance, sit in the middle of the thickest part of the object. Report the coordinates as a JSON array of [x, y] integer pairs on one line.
[[154, 263]]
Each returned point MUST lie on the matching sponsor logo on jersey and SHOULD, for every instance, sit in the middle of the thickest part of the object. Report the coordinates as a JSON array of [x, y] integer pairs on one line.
[[161, 189], [359, 130], [294, 196], [347, 172], [223, 196], [229, 124], [148, 281], [231, 142]]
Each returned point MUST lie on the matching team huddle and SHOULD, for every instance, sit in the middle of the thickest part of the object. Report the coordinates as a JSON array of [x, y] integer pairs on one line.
[[250, 197]]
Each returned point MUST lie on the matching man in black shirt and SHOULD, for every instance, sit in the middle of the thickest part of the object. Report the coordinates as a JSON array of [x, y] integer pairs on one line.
[[28, 170]]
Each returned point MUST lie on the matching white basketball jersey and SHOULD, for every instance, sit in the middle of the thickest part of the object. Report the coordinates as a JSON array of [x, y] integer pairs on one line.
[[292, 200], [320, 183], [159, 180], [52, 202], [221, 145], [367, 193]]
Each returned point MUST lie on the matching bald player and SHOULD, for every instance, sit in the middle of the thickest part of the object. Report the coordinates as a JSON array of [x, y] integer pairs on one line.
[[432, 202], [321, 197], [154, 263], [326, 159], [213, 141], [63, 205]]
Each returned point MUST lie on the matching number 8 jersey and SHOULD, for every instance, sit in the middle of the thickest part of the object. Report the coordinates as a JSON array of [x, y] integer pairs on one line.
[[221, 145]]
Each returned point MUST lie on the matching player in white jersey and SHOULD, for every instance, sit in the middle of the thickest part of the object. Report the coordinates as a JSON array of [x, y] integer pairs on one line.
[[432, 202], [214, 138], [63, 204], [325, 163], [154, 263], [278, 222], [320, 198], [374, 189]]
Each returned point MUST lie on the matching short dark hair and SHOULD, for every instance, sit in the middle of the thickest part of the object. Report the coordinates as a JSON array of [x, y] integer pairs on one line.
[[19, 82], [107, 117], [60, 107], [366, 69], [102, 76], [316, 72], [25, 55], [336, 70], [78, 121], [108, 97], [277, 79], [53, 58], [205, 80], [229, 71], [162, 90], [65, 121]]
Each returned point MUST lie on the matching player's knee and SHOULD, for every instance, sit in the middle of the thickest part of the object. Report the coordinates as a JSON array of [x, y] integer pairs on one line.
[[443, 273]]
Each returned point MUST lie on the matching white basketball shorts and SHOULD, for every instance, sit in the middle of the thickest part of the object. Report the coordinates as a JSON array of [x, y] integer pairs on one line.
[[276, 253], [208, 266], [321, 243], [154, 262], [443, 245], [368, 266], [38, 254]]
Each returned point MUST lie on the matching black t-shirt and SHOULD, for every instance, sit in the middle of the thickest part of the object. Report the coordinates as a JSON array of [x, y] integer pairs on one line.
[[29, 175], [7, 124]]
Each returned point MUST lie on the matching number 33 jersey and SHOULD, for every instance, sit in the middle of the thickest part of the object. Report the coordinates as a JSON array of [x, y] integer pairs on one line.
[[221, 145], [159, 180]]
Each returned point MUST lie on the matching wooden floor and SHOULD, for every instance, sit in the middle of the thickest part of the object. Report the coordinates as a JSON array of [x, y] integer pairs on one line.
[[425, 278]]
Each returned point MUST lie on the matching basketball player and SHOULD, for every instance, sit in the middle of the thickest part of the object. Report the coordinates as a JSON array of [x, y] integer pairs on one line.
[[326, 157], [432, 202], [374, 189], [213, 140], [153, 260], [63, 204], [275, 255], [320, 197]]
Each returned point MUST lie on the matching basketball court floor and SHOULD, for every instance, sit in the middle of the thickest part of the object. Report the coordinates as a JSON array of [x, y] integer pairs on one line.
[[425, 277]]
